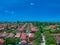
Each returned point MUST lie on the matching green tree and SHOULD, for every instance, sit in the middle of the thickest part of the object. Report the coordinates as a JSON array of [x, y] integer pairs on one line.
[[9, 41], [17, 40], [50, 40]]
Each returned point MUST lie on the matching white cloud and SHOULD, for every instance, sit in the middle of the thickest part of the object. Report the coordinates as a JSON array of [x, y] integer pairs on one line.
[[32, 3], [9, 12]]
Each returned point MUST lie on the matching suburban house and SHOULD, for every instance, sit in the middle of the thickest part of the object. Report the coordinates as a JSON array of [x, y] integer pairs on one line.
[[57, 37], [18, 34], [1, 27], [23, 42], [10, 35], [53, 26], [23, 36], [12, 25], [1, 41], [4, 34], [30, 36], [0, 35]]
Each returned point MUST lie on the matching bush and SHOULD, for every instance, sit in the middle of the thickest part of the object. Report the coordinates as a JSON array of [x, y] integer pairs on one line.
[[54, 31], [1, 31], [17, 40], [50, 40], [9, 31], [37, 38], [9, 40]]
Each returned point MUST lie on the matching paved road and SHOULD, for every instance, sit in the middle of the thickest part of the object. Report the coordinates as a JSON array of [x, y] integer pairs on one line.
[[30, 43], [43, 40], [28, 31]]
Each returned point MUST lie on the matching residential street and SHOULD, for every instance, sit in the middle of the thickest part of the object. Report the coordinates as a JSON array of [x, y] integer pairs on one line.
[[43, 40]]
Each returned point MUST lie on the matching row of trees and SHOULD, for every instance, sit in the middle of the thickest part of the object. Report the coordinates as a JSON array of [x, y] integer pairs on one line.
[[11, 41], [50, 40]]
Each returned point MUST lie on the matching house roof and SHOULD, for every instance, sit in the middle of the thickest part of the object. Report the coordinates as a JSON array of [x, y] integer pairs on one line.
[[11, 35], [17, 34], [30, 35], [57, 36], [53, 26], [33, 28], [1, 41], [22, 27], [23, 36], [0, 35], [23, 41]]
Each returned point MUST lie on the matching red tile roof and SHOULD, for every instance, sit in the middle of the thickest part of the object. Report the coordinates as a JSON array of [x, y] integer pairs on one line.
[[1, 41], [33, 28], [52, 26], [22, 27], [30, 35], [0, 35], [17, 34], [23, 36], [23, 41], [11, 35]]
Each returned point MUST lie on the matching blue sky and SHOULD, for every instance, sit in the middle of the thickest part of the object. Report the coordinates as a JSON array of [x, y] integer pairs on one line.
[[30, 10]]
